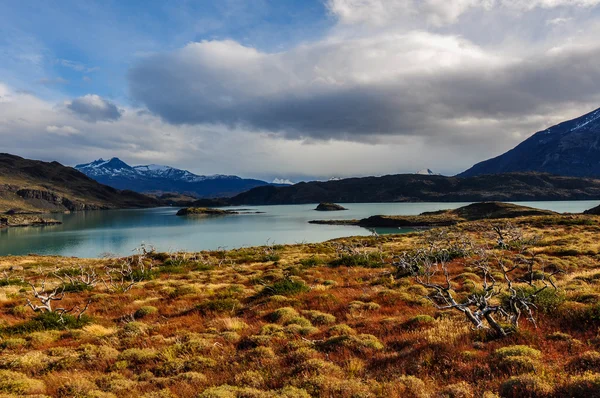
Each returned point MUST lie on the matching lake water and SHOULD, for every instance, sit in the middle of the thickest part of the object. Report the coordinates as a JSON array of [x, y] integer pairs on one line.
[[117, 232]]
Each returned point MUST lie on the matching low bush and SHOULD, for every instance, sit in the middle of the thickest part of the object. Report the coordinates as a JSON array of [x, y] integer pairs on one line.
[[358, 260], [587, 385], [145, 311], [525, 386], [320, 318], [589, 360], [49, 321], [285, 287], [359, 342], [17, 383]]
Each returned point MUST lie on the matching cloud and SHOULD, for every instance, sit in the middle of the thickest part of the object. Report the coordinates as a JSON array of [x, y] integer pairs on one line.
[[433, 12], [62, 130], [94, 108], [423, 84], [76, 66]]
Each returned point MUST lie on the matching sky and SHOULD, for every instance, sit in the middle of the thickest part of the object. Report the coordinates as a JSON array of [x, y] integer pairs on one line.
[[292, 89]]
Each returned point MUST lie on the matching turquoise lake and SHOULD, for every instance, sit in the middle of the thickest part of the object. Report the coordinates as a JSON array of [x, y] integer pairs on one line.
[[118, 232]]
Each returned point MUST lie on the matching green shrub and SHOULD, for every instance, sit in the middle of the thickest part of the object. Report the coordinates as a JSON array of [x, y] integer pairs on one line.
[[49, 321], [311, 262], [145, 311], [419, 321], [138, 356], [270, 257], [285, 287], [517, 351], [75, 287], [358, 260], [518, 364], [359, 342], [320, 318], [12, 282]]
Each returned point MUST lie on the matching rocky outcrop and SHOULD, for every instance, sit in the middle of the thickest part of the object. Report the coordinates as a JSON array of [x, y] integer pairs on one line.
[[57, 200], [25, 220], [594, 211], [324, 206], [204, 211]]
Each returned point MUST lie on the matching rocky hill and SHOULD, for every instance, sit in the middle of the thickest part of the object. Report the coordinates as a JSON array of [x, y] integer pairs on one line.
[[571, 148], [36, 186], [422, 188]]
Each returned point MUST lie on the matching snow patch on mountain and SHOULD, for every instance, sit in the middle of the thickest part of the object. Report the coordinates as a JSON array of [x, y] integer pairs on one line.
[[426, 172], [282, 181]]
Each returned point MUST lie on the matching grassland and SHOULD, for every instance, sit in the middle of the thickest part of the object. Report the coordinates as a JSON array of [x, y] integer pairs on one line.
[[335, 319]]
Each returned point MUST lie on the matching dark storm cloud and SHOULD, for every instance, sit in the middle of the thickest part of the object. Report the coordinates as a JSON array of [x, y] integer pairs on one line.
[[237, 86], [93, 108]]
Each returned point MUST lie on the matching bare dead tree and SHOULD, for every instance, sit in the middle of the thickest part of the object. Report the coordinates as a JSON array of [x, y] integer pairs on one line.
[[483, 307], [46, 297], [123, 277], [87, 276]]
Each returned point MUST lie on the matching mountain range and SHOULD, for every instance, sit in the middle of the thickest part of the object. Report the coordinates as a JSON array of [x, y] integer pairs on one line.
[[35, 186], [571, 148], [162, 179]]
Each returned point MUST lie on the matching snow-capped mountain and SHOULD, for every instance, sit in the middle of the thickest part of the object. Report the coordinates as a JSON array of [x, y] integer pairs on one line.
[[101, 167], [571, 148], [159, 178], [159, 171]]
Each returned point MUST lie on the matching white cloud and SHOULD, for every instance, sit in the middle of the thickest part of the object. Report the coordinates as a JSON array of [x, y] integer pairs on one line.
[[62, 130], [433, 12]]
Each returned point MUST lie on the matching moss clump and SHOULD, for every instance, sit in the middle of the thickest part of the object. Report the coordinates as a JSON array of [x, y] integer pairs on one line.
[[517, 350], [18, 383], [145, 311], [359, 342], [320, 318]]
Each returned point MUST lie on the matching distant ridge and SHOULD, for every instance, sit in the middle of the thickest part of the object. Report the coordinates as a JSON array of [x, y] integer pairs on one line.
[[427, 188], [155, 178], [570, 148]]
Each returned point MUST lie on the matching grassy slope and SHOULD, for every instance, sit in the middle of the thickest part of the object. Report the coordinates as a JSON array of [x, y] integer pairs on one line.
[[228, 324], [18, 173]]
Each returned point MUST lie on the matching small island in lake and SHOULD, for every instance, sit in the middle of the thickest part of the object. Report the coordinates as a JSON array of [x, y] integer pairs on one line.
[[324, 206], [25, 220], [444, 218], [204, 211]]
